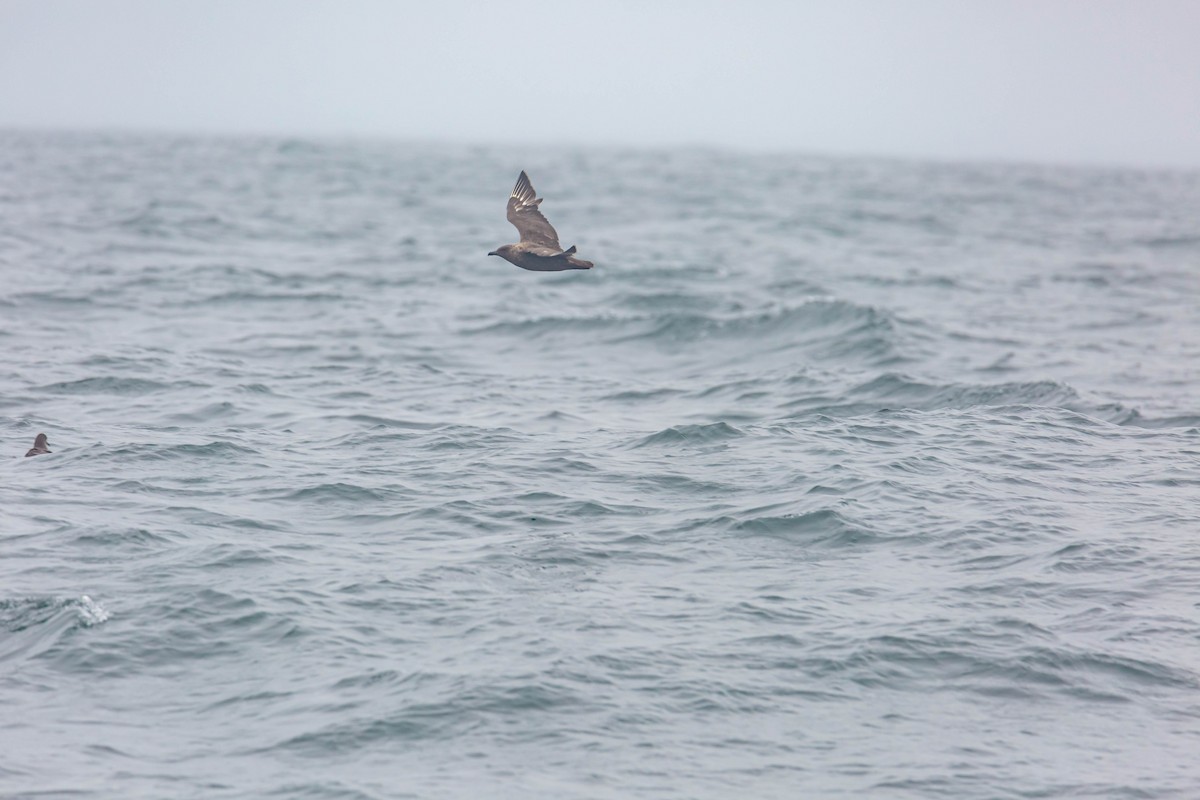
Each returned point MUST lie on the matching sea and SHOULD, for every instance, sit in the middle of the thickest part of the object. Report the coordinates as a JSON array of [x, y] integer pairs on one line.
[[835, 478]]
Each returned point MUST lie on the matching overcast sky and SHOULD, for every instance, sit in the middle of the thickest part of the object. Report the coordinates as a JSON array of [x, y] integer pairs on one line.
[[1093, 81]]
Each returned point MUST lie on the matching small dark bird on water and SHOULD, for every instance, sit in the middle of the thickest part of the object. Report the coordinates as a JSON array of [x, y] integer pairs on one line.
[[538, 249], [40, 446]]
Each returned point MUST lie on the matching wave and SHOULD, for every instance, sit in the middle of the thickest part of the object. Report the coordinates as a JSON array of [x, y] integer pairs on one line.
[[911, 393], [1136, 420], [433, 721], [126, 538], [549, 325], [168, 221], [691, 434], [235, 298], [827, 329], [52, 298], [209, 412], [32, 625], [896, 392], [640, 395], [113, 385], [336, 493], [823, 526], [145, 451], [387, 422], [819, 318], [326, 789], [1003, 659]]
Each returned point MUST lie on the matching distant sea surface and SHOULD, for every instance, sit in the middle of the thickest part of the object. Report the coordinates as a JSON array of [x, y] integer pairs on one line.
[[835, 478]]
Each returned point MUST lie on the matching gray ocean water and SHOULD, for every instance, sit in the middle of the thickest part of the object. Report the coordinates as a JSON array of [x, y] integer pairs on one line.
[[835, 478]]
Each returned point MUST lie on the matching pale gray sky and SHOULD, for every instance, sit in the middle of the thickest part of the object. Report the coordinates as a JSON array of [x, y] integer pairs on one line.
[[1096, 81]]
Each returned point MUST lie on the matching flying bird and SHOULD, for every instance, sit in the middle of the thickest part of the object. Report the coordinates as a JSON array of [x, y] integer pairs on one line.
[[40, 446], [538, 249]]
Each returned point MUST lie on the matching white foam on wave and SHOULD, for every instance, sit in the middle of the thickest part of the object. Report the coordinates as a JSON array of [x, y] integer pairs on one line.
[[91, 612]]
